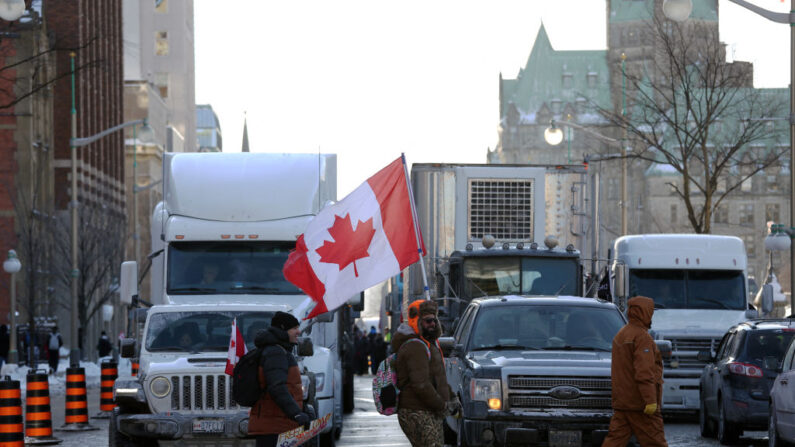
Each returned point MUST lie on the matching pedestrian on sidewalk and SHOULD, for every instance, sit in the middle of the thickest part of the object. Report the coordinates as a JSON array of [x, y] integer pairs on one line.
[[104, 347], [636, 373], [279, 407], [54, 346], [425, 396]]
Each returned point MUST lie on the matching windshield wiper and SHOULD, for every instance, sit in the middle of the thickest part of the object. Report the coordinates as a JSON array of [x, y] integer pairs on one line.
[[498, 347], [193, 289], [269, 289], [574, 348]]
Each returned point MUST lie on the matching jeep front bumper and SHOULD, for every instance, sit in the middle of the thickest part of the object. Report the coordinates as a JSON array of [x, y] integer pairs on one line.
[[174, 425], [533, 428]]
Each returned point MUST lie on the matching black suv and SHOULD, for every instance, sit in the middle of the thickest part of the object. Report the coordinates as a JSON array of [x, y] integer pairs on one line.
[[735, 384], [532, 370]]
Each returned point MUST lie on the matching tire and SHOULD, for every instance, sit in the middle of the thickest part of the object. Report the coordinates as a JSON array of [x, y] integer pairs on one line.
[[705, 424], [327, 439], [727, 434], [347, 395]]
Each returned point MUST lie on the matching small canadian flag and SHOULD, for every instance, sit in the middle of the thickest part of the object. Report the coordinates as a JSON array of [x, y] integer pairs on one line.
[[237, 348]]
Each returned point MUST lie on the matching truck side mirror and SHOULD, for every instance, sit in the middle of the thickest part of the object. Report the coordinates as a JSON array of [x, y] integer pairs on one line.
[[305, 347], [447, 344], [620, 289], [127, 347], [128, 285], [767, 298], [705, 356]]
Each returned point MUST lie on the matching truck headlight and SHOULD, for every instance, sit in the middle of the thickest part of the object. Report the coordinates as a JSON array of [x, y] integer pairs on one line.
[[160, 387], [487, 390], [320, 380], [305, 386]]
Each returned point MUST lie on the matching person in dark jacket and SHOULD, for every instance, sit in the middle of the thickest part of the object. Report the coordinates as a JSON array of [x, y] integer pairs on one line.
[[425, 396], [104, 348], [637, 381], [279, 408]]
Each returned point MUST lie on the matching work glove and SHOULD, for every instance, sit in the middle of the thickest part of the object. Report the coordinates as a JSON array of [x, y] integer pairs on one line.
[[453, 407], [303, 419], [650, 409]]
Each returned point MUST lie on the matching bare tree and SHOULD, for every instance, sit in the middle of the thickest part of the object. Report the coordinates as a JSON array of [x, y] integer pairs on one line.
[[101, 238], [690, 109]]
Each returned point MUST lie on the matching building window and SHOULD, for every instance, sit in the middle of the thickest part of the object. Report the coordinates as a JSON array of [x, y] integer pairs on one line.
[[591, 78], [772, 183], [568, 78], [773, 212], [722, 213], [161, 43], [612, 188], [747, 185], [161, 6], [161, 83], [747, 214], [673, 214], [750, 246], [555, 105]]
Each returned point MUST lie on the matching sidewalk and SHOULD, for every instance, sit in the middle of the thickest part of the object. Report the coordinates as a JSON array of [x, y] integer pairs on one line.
[[365, 427]]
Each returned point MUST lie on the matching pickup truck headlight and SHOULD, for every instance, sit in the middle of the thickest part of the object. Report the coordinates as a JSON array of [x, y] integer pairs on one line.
[[487, 390], [160, 387], [320, 381]]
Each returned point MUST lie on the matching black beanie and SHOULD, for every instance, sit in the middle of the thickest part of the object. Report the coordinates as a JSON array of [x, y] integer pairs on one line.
[[284, 321]]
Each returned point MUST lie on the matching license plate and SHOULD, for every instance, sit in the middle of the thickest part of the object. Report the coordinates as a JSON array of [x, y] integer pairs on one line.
[[565, 438], [208, 426]]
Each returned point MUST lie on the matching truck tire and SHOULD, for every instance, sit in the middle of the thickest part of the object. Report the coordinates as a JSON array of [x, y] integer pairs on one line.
[[327, 439], [347, 394], [705, 424]]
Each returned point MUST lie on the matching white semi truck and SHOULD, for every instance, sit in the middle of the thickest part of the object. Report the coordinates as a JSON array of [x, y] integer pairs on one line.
[[699, 285], [220, 238]]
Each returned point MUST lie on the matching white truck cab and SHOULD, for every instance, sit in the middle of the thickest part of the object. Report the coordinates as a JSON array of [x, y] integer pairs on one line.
[[219, 241], [699, 285]]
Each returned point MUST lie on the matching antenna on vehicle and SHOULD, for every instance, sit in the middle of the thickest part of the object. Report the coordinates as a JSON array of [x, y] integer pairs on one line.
[[319, 183]]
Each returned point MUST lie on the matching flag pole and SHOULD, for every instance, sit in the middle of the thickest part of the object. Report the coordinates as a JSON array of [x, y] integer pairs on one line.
[[416, 237]]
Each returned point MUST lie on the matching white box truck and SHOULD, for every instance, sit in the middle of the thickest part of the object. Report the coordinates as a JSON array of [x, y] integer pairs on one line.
[[220, 238], [699, 284]]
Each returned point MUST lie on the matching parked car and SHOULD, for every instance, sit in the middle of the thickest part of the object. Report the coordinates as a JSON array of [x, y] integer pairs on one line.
[[532, 370], [735, 385], [781, 419]]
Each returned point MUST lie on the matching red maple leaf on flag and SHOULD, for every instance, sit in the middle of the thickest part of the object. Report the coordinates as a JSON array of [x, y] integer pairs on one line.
[[349, 244]]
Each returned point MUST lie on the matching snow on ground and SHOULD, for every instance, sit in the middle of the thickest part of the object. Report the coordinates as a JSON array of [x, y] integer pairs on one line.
[[57, 381]]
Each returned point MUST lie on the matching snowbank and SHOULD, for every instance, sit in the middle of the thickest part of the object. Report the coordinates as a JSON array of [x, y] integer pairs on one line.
[[57, 381]]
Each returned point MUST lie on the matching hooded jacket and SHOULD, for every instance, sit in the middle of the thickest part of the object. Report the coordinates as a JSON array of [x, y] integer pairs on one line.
[[636, 368], [422, 382], [280, 379]]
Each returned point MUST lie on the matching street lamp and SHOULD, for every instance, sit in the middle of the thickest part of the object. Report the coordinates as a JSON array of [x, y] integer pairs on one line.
[[677, 10], [11, 10], [778, 17], [12, 265], [554, 136], [75, 143]]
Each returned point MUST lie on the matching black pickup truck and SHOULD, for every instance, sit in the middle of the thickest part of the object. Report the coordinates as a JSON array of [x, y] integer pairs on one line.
[[532, 371]]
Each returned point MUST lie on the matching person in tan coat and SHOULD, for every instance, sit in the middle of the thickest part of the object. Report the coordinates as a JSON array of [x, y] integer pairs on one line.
[[425, 397], [636, 373]]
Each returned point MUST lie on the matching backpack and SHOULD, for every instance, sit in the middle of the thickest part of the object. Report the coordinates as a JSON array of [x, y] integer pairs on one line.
[[245, 379], [385, 390]]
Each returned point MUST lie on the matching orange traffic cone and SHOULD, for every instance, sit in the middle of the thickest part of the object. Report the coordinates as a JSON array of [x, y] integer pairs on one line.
[[11, 434], [38, 417], [76, 418], [134, 367], [109, 375]]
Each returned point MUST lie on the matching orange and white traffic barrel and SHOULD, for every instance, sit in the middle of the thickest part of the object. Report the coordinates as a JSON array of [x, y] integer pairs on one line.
[[76, 415], [11, 428], [134, 367], [38, 417]]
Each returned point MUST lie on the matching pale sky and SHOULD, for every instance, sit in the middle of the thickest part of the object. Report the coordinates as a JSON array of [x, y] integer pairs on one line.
[[369, 79]]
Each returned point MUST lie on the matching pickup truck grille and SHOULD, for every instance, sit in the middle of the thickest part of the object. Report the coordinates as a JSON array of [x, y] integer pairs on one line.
[[540, 392], [685, 351], [202, 392]]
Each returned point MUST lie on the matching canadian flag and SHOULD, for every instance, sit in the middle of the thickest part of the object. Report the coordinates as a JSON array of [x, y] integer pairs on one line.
[[357, 242], [237, 348]]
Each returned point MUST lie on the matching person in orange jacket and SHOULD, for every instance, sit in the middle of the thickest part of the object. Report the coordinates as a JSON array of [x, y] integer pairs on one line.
[[636, 373]]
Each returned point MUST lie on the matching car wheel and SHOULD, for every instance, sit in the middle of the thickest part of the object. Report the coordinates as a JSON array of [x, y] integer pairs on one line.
[[704, 422], [772, 431], [327, 439], [727, 434]]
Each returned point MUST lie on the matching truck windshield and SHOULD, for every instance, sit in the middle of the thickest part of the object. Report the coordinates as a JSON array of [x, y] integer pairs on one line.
[[520, 275], [690, 289], [251, 267], [545, 327], [202, 331]]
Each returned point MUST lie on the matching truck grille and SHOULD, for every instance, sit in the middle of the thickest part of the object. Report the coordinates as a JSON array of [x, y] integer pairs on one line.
[[502, 208], [202, 392], [685, 351], [539, 392]]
